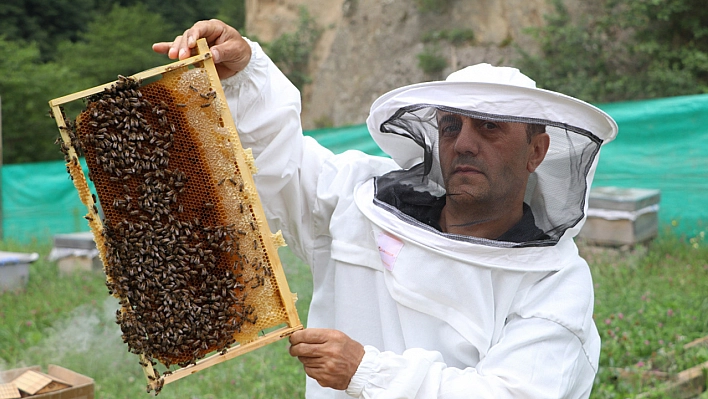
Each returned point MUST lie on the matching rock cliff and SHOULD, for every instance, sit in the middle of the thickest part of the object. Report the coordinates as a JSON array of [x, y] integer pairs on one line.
[[369, 47]]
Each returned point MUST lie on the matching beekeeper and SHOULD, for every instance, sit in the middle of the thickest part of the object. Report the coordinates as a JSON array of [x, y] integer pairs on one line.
[[448, 270]]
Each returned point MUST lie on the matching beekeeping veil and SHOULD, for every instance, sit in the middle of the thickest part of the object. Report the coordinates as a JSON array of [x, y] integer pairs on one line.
[[403, 122]]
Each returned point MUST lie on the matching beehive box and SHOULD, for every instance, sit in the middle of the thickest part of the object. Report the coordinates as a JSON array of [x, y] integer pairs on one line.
[[75, 251], [621, 216], [184, 240], [14, 269], [79, 386]]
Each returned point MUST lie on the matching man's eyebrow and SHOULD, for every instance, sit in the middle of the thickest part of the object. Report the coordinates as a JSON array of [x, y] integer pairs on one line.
[[449, 118]]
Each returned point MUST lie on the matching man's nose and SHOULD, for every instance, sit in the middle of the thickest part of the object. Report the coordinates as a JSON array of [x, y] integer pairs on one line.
[[467, 141]]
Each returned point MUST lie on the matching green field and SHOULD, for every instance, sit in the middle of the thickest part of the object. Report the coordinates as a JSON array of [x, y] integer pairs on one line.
[[650, 301]]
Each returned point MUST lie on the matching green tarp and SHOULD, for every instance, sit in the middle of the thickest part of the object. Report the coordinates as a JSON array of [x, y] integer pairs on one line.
[[662, 144]]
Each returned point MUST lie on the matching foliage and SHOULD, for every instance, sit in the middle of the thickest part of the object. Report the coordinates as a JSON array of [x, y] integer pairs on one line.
[[430, 61], [233, 13], [292, 51], [26, 86], [53, 48], [324, 121], [622, 51], [179, 13], [455, 36], [434, 6], [50, 22], [44, 22], [25, 315], [649, 302], [69, 320], [112, 36]]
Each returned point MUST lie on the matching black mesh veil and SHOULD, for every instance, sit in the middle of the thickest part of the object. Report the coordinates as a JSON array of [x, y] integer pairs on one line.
[[555, 192]]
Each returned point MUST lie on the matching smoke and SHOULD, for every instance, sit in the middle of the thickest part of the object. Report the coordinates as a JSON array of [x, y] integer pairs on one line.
[[86, 341]]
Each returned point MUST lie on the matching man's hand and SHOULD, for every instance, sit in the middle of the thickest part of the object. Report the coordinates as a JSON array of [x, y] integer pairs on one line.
[[329, 356], [231, 53]]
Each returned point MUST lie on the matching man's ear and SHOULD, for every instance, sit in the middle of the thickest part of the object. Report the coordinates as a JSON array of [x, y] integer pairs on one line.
[[537, 150]]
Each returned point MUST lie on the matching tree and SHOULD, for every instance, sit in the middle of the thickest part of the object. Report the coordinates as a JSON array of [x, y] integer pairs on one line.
[[26, 86], [623, 50], [233, 13], [291, 51], [45, 22], [117, 43], [56, 47]]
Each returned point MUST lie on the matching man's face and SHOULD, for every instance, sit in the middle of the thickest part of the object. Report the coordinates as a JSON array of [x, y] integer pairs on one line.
[[486, 163]]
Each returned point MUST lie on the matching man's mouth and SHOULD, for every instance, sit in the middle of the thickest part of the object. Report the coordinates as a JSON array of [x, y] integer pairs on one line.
[[467, 169]]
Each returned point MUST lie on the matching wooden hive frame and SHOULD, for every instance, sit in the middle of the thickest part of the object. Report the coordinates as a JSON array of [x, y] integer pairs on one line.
[[244, 165]]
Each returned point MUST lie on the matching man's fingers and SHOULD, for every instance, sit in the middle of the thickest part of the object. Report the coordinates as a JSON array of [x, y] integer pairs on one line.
[[162, 47], [310, 335], [329, 356], [231, 52], [305, 350], [173, 49]]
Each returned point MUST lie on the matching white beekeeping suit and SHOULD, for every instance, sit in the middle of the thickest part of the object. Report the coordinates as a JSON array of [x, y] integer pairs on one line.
[[440, 315]]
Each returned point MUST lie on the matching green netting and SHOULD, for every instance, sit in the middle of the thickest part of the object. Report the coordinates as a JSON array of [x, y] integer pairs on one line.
[[662, 144], [340, 139], [39, 200]]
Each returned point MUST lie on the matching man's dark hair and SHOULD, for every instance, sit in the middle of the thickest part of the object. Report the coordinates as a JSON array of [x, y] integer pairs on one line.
[[533, 129]]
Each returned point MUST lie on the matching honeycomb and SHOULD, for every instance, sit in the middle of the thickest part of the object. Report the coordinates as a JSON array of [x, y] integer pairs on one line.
[[182, 245]]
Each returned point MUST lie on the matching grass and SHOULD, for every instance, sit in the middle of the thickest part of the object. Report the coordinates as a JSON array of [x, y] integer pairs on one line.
[[650, 301], [69, 321]]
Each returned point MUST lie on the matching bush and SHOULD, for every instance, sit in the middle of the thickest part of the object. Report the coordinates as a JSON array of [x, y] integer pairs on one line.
[[623, 51], [291, 51], [431, 62], [434, 6], [454, 36]]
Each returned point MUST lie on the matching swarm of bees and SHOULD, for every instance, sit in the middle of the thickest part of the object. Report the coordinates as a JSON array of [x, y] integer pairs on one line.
[[183, 248]]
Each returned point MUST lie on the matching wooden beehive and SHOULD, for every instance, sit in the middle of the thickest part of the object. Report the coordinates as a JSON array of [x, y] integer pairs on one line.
[[184, 240]]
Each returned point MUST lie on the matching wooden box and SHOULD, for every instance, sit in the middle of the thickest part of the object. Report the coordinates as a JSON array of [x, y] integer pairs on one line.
[[621, 216], [81, 387]]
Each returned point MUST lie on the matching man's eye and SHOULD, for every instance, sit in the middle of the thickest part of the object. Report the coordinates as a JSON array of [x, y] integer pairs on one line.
[[490, 125]]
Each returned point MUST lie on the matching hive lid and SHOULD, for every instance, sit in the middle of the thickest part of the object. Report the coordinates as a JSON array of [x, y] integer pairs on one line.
[[623, 199], [32, 381], [83, 240], [14, 258]]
